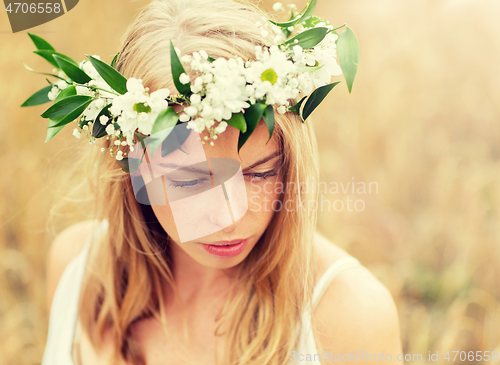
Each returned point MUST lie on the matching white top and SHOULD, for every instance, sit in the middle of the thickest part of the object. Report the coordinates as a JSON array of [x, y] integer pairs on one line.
[[63, 312]]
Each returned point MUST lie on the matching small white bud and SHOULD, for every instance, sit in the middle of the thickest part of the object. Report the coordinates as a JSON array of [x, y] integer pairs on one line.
[[103, 119], [195, 99], [184, 117], [184, 78], [191, 111], [204, 55], [282, 109]]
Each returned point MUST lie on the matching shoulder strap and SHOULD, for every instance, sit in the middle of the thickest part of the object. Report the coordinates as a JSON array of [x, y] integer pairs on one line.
[[330, 274], [98, 230], [63, 311]]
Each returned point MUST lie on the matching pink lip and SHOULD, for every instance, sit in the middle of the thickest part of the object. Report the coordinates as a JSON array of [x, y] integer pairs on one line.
[[226, 248]]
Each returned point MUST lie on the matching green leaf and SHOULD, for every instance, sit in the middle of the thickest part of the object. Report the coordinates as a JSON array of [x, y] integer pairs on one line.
[[171, 139], [130, 165], [47, 54], [348, 53], [238, 121], [296, 108], [112, 77], [69, 91], [71, 116], [72, 71], [253, 115], [300, 18], [175, 140], [113, 63], [51, 131], [65, 106], [309, 38], [316, 98], [166, 119], [269, 120], [38, 98], [66, 58], [177, 70], [99, 130], [156, 139], [40, 43]]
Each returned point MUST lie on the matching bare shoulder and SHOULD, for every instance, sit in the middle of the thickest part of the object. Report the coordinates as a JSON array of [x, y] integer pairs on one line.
[[356, 313], [65, 247], [326, 251]]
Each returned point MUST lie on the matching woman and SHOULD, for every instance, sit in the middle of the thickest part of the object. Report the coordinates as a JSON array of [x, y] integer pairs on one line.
[[130, 287]]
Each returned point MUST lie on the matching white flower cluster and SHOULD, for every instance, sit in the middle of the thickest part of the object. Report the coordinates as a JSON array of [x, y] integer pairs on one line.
[[322, 59], [57, 87], [219, 88], [227, 86], [136, 110]]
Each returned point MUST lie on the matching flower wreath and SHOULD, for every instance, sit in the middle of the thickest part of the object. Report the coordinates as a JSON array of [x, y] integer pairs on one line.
[[299, 60]]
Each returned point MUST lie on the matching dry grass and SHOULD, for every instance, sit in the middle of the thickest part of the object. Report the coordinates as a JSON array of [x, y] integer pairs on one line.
[[422, 123]]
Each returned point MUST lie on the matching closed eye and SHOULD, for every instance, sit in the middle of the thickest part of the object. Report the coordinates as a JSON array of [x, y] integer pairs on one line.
[[198, 183], [189, 184], [259, 176]]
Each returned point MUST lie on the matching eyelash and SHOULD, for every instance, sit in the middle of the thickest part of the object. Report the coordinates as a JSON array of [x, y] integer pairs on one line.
[[192, 184], [262, 175]]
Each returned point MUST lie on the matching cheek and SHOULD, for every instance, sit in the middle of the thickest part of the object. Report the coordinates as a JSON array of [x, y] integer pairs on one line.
[[164, 215], [264, 197]]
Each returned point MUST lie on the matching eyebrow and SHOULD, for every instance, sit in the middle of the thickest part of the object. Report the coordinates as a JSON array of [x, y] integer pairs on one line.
[[262, 161], [203, 171], [185, 168]]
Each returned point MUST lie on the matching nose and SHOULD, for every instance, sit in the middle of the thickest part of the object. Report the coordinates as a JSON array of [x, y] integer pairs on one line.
[[219, 213]]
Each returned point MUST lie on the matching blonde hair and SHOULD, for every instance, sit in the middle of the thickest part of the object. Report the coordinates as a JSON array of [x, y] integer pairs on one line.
[[127, 270]]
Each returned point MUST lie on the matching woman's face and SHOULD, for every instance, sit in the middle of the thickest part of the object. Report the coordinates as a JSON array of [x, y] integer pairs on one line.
[[218, 203]]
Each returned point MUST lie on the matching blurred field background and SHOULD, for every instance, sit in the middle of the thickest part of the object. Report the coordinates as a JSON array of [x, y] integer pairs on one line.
[[423, 122]]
